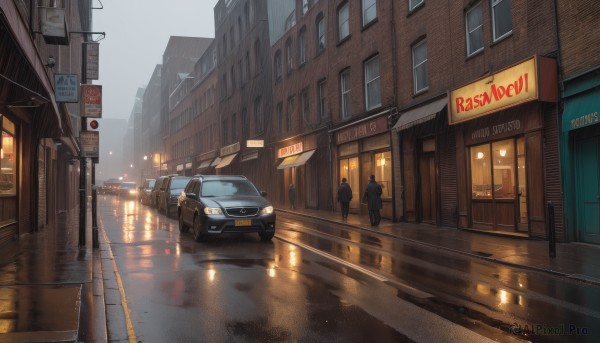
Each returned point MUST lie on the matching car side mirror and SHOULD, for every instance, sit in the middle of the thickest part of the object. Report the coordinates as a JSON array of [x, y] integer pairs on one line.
[[191, 196], [263, 193]]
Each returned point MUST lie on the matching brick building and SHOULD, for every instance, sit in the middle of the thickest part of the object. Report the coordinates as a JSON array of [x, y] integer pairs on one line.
[[39, 132], [580, 124], [478, 150]]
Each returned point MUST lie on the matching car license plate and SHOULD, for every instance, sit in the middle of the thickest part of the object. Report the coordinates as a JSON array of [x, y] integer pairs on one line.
[[243, 222]]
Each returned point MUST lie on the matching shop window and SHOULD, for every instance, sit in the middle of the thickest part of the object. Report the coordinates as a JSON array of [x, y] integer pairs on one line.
[[8, 155], [383, 172], [493, 170], [349, 170]]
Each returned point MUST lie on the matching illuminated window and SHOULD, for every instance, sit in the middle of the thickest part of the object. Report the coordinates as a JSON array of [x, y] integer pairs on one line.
[[8, 155], [383, 172], [493, 170]]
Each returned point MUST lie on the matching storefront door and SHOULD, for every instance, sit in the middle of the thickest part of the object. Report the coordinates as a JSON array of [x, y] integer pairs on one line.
[[428, 188], [349, 170], [498, 182], [588, 189]]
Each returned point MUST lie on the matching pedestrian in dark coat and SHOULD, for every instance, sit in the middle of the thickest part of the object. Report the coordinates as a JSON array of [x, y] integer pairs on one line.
[[372, 197], [344, 195], [292, 194]]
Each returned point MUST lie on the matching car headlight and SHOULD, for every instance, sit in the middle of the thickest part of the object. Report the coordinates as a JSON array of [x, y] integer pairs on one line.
[[267, 210], [212, 210], [132, 191]]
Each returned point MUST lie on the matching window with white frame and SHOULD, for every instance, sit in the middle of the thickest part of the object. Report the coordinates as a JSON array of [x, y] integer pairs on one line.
[[321, 98], [321, 33], [419, 57], [289, 56], [501, 18], [302, 46], [369, 11], [372, 84], [343, 21], [412, 4], [345, 93], [474, 22]]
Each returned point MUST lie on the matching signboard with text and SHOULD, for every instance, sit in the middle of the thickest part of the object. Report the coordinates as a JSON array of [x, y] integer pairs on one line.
[[90, 143], [91, 55], [504, 89], [66, 87], [91, 102], [290, 150]]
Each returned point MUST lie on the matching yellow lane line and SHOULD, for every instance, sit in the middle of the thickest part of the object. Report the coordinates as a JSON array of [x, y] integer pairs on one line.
[[130, 330]]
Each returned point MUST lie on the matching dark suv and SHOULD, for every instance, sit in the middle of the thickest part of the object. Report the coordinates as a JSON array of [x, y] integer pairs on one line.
[[168, 193], [215, 204]]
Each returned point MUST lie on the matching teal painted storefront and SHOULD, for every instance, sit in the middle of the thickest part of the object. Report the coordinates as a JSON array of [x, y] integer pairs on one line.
[[580, 157]]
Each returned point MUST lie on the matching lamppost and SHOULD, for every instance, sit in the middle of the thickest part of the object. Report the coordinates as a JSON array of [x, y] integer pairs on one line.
[[143, 171]]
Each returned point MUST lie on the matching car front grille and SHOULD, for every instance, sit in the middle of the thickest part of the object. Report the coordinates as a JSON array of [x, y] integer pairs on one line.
[[241, 211]]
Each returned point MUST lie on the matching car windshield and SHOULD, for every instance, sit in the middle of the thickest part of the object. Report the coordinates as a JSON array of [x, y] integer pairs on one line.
[[219, 188], [179, 183]]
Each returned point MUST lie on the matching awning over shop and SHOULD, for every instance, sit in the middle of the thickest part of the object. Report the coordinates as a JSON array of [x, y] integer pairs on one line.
[[225, 161], [581, 110], [296, 160], [10, 15], [420, 114], [203, 165]]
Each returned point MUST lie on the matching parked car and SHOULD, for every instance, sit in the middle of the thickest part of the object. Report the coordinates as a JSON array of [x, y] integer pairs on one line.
[[212, 205], [128, 190], [146, 191], [156, 189], [168, 193]]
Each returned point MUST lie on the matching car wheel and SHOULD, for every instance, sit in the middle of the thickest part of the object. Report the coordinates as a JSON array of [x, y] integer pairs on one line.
[[182, 227], [197, 230], [266, 236]]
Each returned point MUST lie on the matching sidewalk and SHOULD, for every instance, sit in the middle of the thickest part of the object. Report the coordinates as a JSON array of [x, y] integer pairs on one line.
[[48, 290], [576, 261]]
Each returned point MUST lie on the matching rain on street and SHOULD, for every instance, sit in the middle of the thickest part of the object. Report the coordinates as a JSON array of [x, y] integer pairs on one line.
[[318, 282]]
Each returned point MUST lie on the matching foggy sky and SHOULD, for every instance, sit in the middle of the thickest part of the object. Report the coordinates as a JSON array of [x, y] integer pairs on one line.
[[137, 32]]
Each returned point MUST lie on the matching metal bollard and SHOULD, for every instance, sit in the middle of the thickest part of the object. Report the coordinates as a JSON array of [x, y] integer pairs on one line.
[[551, 230]]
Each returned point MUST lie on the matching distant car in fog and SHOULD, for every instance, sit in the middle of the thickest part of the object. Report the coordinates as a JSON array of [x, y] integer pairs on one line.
[[146, 191], [128, 190]]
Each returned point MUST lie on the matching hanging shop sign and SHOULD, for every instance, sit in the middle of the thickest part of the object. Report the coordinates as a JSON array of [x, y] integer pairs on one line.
[[91, 104], [90, 143], [91, 55], [66, 87], [510, 87]]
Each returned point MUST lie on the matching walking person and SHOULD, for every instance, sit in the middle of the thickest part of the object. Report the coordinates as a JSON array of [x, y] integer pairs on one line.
[[372, 197], [344, 195], [292, 195]]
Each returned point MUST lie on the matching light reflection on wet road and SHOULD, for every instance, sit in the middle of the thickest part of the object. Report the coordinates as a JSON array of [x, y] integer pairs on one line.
[[239, 289]]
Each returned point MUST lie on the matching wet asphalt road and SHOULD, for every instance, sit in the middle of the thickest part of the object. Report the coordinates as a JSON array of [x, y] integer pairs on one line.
[[316, 282]]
